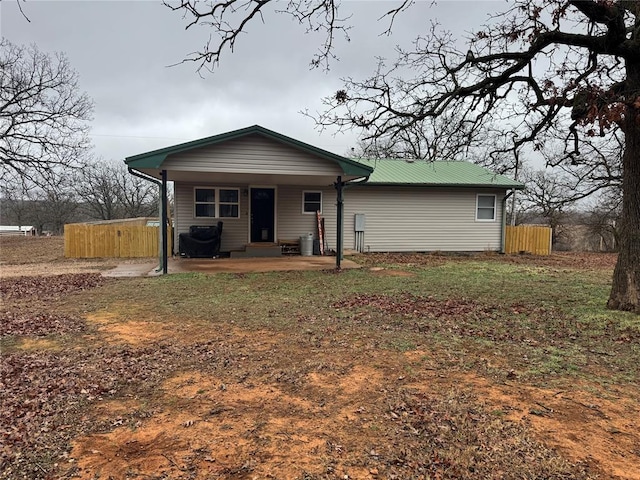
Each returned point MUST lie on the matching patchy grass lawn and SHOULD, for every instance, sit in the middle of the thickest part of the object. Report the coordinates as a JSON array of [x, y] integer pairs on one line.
[[418, 366]]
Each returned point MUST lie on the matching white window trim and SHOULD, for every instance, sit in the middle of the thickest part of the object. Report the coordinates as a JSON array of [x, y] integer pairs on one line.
[[303, 202], [216, 200], [495, 207]]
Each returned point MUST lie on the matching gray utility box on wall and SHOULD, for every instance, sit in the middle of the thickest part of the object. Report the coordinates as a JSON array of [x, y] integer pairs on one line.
[[359, 223]]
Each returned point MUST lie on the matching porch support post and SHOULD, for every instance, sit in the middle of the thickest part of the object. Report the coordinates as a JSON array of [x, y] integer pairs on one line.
[[164, 223], [339, 185]]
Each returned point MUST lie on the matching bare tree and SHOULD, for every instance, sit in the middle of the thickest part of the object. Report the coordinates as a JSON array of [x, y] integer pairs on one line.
[[379, 148], [137, 197], [46, 206], [97, 190], [603, 218], [43, 116], [540, 70], [107, 191], [53, 207], [15, 209], [550, 195]]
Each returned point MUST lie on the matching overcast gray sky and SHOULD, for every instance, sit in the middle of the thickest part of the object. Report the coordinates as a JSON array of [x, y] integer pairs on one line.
[[123, 49]]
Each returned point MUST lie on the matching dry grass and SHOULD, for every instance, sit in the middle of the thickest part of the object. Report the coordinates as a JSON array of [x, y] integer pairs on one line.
[[43, 256], [18, 250], [433, 367], [574, 260]]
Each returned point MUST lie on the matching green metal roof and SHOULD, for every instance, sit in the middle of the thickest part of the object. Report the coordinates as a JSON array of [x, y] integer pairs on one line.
[[441, 174], [156, 158], [380, 172]]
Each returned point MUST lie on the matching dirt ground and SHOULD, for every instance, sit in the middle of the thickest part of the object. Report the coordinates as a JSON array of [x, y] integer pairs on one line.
[[21, 256], [294, 408], [332, 421]]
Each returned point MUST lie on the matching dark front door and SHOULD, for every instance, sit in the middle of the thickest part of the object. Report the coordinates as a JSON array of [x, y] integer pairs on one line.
[[263, 214]]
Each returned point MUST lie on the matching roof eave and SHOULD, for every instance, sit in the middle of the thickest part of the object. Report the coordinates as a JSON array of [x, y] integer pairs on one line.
[[146, 161], [444, 185]]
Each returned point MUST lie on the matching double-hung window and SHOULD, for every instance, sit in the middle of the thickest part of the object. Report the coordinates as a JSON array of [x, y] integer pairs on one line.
[[205, 200], [311, 202], [216, 202], [229, 203], [486, 208]]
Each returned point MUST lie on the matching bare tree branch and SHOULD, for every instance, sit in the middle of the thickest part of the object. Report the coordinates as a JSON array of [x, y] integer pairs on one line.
[[43, 116], [229, 19], [19, 2]]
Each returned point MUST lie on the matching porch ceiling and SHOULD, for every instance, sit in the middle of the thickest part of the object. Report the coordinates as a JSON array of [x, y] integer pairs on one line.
[[245, 178]]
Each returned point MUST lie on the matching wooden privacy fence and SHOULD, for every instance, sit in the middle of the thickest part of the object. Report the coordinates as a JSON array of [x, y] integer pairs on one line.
[[85, 240], [528, 239]]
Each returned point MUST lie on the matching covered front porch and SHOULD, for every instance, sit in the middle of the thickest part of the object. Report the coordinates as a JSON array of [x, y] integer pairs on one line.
[[258, 186]]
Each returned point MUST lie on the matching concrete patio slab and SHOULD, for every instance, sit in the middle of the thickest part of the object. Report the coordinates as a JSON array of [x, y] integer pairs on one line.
[[247, 265], [131, 270], [229, 265]]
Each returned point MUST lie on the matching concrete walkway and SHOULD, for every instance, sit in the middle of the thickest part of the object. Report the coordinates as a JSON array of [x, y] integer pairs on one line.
[[131, 270], [230, 265]]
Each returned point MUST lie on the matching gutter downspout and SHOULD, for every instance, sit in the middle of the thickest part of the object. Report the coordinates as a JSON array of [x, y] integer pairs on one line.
[[503, 228], [163, 217]]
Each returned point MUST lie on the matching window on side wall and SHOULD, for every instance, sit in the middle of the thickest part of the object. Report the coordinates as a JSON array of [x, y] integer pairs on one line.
[[311, 202], [486, 208], [215, 202]]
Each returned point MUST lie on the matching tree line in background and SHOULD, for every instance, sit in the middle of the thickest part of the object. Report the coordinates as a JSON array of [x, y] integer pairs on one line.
[[97, 191], [48, 176]]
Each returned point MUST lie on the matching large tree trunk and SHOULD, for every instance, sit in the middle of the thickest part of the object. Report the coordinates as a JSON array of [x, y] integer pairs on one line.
[[625, 291]]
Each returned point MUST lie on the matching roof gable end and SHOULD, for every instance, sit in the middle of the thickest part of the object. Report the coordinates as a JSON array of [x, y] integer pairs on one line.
[[154, 159]]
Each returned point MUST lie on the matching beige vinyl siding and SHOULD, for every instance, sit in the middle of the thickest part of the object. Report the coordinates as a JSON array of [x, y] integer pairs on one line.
[[397, 219], [252, 154], [411, 219], [292, 223], [235, 231]]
